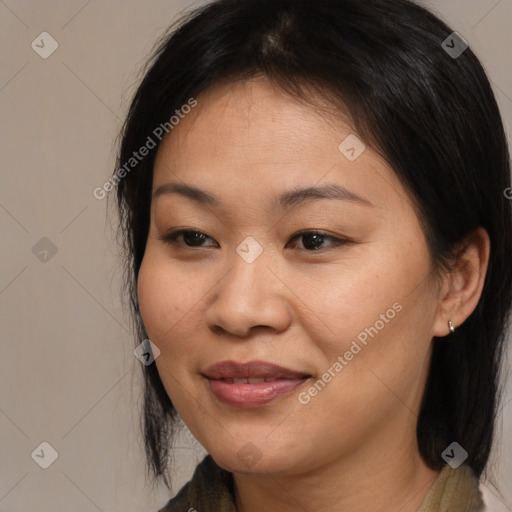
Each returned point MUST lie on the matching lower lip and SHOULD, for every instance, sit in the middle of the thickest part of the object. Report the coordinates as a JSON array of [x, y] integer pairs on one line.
[[253, 395]]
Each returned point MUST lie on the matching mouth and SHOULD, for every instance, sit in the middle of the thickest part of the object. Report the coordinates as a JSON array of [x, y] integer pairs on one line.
[[253, 384], [253, 380]]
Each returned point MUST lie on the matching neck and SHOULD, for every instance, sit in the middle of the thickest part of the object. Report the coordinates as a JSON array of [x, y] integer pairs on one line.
[[395, 479]]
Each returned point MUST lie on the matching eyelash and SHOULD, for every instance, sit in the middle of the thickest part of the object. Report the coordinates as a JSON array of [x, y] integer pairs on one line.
[[171, 239]]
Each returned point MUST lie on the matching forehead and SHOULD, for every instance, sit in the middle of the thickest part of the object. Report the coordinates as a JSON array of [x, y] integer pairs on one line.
[[251, 120], [252, 138]]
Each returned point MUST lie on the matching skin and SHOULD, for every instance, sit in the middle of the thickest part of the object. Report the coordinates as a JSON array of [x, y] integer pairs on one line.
[[353, 446]]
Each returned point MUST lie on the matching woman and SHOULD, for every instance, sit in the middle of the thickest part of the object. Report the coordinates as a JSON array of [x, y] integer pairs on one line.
[[318, 246]]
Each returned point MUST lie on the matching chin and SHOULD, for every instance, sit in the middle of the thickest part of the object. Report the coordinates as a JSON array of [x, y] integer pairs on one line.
[[251, 459]]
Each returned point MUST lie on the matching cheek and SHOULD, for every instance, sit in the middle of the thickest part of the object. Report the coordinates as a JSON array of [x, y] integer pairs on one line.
[[383, 337], [350, 298], [383, 302], [168, 306], [166, 299]]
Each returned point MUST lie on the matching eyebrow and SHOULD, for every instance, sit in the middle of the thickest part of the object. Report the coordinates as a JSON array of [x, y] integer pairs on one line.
[[290, 199]]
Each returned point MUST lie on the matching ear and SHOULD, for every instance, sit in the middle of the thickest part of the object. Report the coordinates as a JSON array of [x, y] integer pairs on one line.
[[462, 285]]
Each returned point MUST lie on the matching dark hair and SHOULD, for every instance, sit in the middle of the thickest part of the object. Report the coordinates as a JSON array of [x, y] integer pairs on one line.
[[434, 119]]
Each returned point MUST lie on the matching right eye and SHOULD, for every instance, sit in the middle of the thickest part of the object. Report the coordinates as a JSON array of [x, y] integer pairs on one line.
[[185, 237]]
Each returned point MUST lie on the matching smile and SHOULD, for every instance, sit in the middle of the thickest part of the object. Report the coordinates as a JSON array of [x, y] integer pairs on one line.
[[253, 384]]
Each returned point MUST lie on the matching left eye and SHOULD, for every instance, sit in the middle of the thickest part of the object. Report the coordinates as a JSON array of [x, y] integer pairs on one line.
[[314, 240]]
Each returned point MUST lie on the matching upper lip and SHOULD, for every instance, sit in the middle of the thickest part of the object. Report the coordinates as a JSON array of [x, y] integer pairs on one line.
[[252, 369]]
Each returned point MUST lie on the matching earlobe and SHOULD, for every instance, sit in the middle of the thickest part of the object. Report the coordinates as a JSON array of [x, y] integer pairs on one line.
[[463, 285]]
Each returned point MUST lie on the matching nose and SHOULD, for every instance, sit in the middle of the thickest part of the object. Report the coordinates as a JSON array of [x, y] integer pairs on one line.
[[250, 296]]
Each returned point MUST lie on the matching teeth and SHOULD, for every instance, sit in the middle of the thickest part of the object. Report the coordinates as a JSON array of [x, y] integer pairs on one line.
[[255, 380]]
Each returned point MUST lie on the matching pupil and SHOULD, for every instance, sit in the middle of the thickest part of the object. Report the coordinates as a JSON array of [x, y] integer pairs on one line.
[[192, 237], [315, 238]]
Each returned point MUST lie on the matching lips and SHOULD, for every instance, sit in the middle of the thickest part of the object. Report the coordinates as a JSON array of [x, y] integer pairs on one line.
[[253, 384], [250, 371]]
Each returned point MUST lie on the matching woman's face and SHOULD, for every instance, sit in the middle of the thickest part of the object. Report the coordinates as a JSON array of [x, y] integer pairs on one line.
[[347, 313]]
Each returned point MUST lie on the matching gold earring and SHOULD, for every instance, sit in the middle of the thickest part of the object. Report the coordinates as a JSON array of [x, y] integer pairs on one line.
[[450, 325]]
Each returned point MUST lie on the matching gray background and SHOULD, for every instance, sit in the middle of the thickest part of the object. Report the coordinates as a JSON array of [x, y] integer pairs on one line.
[[68, 375]]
